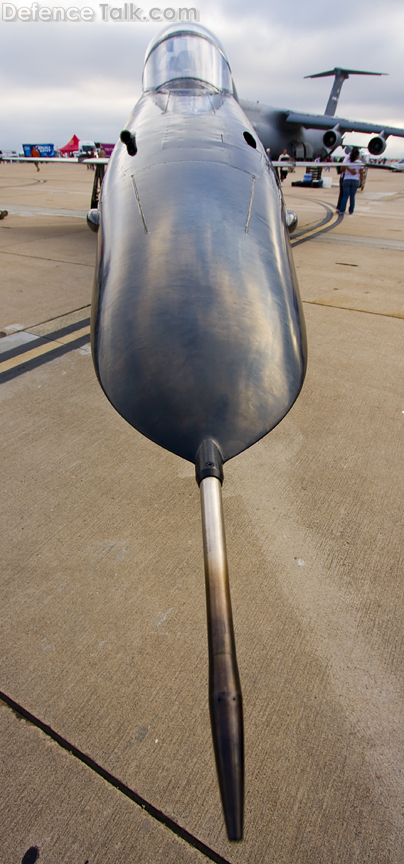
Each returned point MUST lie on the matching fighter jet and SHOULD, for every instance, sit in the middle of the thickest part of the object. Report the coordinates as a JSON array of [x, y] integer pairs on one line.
[[198, 336]]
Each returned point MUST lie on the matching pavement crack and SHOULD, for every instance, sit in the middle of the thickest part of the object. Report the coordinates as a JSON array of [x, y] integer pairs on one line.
[[154, 812], [42, 258], [351, 309]]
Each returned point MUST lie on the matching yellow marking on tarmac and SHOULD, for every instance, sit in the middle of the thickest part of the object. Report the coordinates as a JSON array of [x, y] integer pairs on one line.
[[72, 336], [311, 232], [42, 349]]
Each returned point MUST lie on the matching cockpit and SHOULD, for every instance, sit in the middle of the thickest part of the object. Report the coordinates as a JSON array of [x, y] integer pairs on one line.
[[184, 56]]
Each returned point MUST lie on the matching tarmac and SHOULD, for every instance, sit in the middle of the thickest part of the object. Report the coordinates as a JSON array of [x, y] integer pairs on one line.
[[106, 745]]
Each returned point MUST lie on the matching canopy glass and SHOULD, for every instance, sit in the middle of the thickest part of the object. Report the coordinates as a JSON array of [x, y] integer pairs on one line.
[[187, 56]]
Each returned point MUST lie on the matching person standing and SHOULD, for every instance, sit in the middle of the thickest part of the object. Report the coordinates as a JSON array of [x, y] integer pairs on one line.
[[35, 152], [340, 173], [353, 177], [284, 157], [92, 155]]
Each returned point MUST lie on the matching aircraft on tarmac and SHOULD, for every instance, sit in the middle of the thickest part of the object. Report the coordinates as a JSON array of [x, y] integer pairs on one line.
[[311, 136]]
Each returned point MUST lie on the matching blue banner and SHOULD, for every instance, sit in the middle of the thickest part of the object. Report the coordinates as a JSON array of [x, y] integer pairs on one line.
[[42, 150]]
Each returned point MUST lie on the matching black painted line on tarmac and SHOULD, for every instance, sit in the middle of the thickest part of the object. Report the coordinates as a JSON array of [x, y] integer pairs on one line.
[[318, 230], [328, 216], [157, 814], [20, 185], [42, 340], [58, 351], [64, 331]]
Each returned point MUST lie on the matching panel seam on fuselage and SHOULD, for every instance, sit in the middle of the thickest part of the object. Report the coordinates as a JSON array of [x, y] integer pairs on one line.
[[251, 203], [139, 205]]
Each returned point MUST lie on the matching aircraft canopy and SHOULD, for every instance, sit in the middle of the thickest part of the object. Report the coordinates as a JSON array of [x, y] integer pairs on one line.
[[186, 52]]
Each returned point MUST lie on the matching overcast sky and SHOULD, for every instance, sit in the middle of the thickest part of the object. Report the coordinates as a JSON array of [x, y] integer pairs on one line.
[[61, 78]]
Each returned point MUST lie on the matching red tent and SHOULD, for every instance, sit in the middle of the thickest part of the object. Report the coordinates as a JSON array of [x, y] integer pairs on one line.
[[72, 145]]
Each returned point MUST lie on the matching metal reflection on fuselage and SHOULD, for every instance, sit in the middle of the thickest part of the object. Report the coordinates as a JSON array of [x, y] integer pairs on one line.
[[197, 324]]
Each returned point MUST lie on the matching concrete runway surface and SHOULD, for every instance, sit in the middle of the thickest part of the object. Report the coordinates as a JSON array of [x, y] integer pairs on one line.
[[106, 743]]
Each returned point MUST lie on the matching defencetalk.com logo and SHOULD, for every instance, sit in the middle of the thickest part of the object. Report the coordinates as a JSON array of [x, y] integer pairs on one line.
[[126, 12]]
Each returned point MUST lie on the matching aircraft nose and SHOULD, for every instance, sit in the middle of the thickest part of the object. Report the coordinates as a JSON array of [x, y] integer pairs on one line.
[[200, 331]]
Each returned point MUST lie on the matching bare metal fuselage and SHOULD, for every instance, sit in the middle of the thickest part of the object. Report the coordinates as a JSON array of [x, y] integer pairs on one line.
[[197, 324]]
